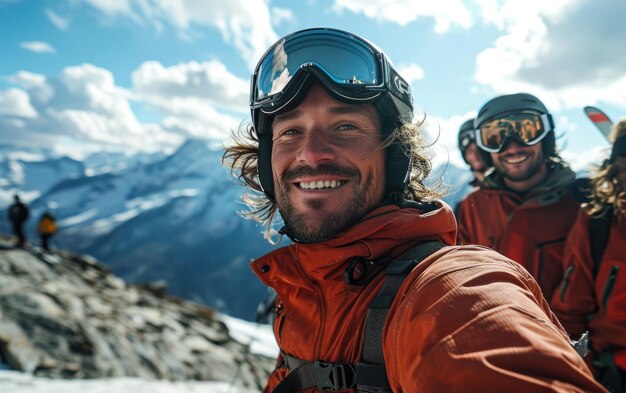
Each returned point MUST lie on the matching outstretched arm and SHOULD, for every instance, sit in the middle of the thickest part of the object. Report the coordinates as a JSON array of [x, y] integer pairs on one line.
[[475, 321]]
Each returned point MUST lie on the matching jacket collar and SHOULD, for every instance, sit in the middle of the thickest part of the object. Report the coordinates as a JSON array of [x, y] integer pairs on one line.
[[385, 232], [560, 177]]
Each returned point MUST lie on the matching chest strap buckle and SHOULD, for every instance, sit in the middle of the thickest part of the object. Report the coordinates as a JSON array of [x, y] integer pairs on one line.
[[333, 376]]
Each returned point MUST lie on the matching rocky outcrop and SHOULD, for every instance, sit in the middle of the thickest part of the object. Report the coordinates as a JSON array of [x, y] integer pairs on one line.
[[66, 315]]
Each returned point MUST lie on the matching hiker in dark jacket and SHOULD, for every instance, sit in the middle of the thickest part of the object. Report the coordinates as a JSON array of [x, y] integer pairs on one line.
[[18, 214]]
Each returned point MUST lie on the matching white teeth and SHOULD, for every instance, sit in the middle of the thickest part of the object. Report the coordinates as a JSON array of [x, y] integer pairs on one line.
[[313, 185], [517, 160]]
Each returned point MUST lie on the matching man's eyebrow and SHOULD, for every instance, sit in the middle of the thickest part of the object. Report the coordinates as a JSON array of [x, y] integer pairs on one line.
[[292, 114], [346, 109], [336, 109]]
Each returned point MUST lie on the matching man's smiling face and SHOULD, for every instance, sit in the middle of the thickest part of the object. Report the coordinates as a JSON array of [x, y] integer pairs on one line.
[[328, 165], [522, 167]]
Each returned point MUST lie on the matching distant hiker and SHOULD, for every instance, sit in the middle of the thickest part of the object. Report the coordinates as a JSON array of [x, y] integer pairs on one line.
[[470, 151], [46, 228], [592, 295], [18, 214], [525, 207], [333, 149]]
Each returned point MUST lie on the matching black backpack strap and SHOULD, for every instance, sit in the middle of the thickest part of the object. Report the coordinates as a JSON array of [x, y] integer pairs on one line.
[[599, 231], [580, 189], [396, 273], [368, 375]]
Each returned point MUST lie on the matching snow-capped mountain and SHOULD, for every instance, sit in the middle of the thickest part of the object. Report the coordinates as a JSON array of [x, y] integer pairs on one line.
[[173, 220], [33, 175], [455, 180], [103, 162]]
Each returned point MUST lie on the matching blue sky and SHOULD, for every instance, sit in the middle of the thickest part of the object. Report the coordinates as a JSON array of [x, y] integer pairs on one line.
[[78, 76]]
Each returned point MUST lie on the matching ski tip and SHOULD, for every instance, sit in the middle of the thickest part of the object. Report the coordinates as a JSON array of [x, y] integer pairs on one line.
[[600, 120], [596, 115]]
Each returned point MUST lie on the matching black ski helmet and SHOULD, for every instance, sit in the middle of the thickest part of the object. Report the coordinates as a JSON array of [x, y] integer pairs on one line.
[[510, 103], [312, 56], [466, 137]]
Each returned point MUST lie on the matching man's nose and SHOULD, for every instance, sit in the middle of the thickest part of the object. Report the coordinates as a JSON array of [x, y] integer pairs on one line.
[[316, 146], [512, 145]]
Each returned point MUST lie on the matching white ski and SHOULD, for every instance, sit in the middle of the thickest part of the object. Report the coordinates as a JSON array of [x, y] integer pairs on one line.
[[600, 119]]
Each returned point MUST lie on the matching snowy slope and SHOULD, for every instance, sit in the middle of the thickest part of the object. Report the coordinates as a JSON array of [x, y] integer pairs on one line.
[[260, 338]]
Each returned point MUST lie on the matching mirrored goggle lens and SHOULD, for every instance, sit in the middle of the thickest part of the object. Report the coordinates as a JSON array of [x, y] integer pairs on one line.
[[466, 137], [345, 59], [528, 128]]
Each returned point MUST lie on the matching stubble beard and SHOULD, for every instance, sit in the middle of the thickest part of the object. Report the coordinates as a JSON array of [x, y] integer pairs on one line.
[[299, 227], [523, 176]]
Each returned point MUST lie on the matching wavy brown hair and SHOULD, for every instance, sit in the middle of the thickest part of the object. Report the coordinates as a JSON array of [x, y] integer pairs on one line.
[[605, 189], [242, 159]]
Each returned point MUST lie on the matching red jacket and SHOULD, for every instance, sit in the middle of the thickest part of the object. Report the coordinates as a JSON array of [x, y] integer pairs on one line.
[[466, 319], [530, 230], [598, 305]]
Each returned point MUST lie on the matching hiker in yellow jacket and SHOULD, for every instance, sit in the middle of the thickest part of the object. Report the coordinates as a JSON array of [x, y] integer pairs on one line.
[[46, 228]]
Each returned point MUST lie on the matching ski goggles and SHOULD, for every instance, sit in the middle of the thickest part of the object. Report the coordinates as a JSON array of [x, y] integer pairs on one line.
[[352, 68], [466, 137], [528, 128]]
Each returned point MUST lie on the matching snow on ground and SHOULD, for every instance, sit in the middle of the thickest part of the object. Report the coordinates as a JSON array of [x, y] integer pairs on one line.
[[260, 338], [17, 382]]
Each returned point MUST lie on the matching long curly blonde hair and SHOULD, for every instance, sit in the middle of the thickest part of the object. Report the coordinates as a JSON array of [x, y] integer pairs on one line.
[[606, 192], [242, 159]]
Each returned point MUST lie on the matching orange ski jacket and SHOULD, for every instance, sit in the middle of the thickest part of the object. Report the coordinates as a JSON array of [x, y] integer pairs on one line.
[[530, 230], [598, 304], [46, 226], [466, 319]]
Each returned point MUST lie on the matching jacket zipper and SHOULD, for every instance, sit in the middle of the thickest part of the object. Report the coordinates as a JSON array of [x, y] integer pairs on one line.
[[318, 344], [566, 279], [608, 287], [320, 333]]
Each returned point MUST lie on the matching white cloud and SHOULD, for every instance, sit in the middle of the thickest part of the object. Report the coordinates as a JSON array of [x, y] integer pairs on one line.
[[281, 15], [445, 12], [15, 102], [209, 81], [588, 161], [113, 7], [411, 72], [37, 46], [36, 85], [246, 24], [194, 96], [60, 22], [82, 104], [567, 52]]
